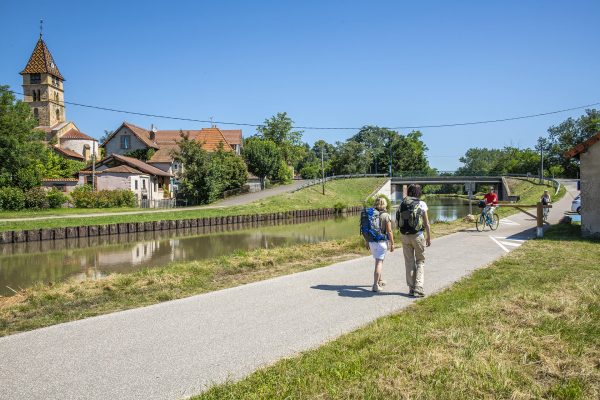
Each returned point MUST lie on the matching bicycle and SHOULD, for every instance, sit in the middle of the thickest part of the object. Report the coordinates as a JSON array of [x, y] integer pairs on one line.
[[485, 219], [545, 214]]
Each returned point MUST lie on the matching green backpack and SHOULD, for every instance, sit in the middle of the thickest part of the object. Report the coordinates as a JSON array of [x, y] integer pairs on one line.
[[409, 216]]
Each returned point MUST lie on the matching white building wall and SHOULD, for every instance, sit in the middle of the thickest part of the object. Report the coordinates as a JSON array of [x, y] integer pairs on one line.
[[590, 191], [77, 145], [110, 181]]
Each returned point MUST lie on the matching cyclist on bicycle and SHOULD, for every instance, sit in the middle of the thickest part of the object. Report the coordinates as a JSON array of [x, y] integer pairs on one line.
[[491, 202]]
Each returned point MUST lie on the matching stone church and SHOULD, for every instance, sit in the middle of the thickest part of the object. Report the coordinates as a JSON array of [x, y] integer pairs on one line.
[[43, 87]]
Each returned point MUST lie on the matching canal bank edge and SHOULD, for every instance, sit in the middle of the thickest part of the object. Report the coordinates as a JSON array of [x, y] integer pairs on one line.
[[34, 235]]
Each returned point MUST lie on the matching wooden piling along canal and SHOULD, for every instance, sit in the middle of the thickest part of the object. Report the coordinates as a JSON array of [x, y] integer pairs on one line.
[[32, 235]]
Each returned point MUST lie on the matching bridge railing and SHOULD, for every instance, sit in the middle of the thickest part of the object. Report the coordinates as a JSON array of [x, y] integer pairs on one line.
[[336, 177]]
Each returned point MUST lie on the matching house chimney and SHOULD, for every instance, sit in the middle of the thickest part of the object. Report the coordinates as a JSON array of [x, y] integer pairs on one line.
[[152, 132]]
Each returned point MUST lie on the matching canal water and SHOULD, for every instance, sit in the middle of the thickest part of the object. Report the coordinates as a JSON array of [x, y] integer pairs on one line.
[[25, 264]]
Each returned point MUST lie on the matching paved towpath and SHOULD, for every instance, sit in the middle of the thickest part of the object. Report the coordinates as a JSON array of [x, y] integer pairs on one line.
[[231, 201], [176, 349]]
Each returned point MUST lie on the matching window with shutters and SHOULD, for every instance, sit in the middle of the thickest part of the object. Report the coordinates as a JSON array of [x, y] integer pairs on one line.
[[125, 142]]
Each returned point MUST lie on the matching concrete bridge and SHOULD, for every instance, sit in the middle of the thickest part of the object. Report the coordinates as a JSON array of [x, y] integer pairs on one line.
[[399, 184]]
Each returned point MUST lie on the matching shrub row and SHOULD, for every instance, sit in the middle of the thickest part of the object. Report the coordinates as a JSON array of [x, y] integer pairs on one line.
[[37, 198], [85, 197]]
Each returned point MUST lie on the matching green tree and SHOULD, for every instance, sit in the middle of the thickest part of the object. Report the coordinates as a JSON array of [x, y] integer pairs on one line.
[[479, 161], [228, 168], [193, 182], [207, 175], [567, 135], [56, 166], [328, 150], [280, 130], [351, 157], [408, 154], [141, 154], [262, 157], [22, 149]]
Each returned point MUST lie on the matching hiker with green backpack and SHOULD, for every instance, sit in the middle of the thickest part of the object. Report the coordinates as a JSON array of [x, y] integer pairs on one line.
[[412, 221]]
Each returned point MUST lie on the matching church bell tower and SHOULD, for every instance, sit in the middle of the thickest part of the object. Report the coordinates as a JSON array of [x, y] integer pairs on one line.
[[43, 86]]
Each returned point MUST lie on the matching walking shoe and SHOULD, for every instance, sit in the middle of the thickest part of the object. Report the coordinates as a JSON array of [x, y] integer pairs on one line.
[[376, 288], [411, 292], [418, 294], [381, 283]]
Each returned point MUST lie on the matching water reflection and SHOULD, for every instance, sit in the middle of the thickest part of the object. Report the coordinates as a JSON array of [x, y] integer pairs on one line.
[[448, 208], [24, 264]]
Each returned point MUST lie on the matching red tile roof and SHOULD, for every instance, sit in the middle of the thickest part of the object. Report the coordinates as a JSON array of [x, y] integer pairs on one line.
[[233, 136], [68, 153], [60, 180], [140, 165], [75, 134], [164, 154], [41, 61], [581, 147], [122, 169]]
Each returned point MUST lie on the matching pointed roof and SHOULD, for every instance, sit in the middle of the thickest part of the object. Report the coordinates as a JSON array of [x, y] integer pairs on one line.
[[41, 61], [115, 160], [581, 147]]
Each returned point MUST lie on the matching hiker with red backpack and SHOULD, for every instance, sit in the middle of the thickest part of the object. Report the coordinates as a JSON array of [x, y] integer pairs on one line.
[[376, 228], [413, 221]]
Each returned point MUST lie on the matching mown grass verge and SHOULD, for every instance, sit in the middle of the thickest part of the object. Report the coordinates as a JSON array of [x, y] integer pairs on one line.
[[351, 192], [526, 327], [45, 305]]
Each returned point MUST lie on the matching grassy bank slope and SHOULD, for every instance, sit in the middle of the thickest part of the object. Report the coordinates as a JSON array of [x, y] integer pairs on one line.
[[526, 327], [348, 191]]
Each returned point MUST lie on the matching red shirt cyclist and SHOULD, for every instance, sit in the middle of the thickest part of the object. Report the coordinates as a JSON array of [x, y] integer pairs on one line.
[[491, 201]]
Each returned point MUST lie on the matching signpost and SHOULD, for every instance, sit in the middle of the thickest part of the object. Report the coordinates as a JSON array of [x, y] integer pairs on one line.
[[470, 188]]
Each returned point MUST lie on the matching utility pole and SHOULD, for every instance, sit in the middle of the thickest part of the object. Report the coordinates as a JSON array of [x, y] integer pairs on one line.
[[542, 170], [541, 143], [390, 146], [93, 168], [322, 170]]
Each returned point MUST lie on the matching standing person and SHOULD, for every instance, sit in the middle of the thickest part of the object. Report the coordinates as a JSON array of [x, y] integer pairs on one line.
[[412, 220], [377, 242], [545, 199], [491, 202]]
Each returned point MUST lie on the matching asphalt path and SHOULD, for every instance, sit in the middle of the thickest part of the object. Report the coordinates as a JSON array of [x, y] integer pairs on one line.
[[177, 349]]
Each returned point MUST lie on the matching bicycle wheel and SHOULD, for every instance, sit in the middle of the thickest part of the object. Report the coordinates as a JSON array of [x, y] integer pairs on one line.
[[495, 222], [480, 223]]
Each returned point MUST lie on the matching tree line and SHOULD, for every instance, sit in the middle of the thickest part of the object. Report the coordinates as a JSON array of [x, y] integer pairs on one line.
[[277, 153]]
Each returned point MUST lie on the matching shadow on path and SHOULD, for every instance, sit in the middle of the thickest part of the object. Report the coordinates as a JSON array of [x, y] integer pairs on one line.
[[357, 291]]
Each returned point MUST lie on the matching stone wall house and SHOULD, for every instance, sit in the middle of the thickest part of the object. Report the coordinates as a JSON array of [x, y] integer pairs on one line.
[[588, 154], [121, 172]]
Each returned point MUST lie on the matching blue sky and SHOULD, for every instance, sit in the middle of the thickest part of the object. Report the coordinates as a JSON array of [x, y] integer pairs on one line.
[[326, 63]]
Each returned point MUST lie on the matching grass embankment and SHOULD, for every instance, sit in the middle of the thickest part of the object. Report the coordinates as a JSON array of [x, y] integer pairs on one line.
[[45, 305], [348, 191], [67, 212], [526, 327]]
